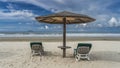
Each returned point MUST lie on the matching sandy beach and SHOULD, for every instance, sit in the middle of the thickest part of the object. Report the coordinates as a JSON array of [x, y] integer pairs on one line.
[[17, 54]]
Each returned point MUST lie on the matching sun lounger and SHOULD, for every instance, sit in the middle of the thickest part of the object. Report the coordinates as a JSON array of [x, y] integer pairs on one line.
[[36, 48], [82, 51]]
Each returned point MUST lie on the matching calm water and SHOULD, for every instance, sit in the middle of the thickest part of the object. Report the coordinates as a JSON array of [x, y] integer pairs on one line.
[[87, 32], [57, 35]]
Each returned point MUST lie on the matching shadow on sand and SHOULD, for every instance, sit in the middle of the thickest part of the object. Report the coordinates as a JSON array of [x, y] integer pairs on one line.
[[94, 56], [105, 56]]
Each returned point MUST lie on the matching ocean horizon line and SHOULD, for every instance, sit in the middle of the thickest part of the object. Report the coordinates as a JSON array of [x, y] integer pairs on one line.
[[59, 35]]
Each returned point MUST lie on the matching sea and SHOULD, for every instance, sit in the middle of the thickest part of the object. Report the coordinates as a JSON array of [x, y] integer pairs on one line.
[[84, 32], [57, 34]]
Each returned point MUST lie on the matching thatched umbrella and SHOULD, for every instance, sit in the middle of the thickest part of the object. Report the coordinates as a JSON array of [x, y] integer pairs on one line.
[[64, 18]]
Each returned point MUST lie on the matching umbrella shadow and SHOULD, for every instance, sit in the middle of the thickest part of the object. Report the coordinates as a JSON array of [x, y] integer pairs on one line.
[[56, 54], [49, 53], [105, 56]]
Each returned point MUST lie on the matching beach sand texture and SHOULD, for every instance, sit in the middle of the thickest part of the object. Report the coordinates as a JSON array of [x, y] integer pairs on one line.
[[104, 54]]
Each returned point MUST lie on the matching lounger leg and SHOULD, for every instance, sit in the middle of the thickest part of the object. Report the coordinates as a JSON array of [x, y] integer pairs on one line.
[[40, 53], [77, 57], [32, 53], [88, 57]]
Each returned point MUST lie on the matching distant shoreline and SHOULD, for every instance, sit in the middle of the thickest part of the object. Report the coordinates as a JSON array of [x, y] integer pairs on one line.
[[60, 38]]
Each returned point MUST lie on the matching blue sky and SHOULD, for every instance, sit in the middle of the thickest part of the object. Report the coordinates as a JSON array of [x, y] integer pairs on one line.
[[18, 15]]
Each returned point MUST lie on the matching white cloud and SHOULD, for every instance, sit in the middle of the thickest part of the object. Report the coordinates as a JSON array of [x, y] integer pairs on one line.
[[113, 22], [10, 6], [84, 25], [53, 10], [46, 27], [99, 25], [17, 14]]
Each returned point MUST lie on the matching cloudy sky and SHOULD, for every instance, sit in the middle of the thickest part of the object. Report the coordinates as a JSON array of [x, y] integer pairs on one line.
[[18, 15]]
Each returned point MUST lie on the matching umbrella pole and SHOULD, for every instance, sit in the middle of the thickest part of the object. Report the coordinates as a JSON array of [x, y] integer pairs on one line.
[[64, 37]]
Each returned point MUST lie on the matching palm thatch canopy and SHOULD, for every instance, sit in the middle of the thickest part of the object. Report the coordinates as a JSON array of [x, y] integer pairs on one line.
[[71, 18], [64, 18]]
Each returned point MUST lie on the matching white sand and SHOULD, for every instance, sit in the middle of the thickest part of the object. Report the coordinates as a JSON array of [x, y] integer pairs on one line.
[[104, 54]]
